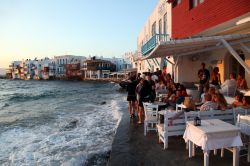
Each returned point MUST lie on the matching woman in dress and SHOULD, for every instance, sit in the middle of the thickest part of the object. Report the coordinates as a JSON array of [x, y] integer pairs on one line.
[[216, 77]]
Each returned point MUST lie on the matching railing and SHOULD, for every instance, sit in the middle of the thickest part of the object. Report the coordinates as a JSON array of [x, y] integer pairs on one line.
[[151, 44], [103, 68]]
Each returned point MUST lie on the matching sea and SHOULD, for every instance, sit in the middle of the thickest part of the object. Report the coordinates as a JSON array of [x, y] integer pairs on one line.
[[58, 123]]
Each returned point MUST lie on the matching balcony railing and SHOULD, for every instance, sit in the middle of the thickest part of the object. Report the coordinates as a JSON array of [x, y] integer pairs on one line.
[[151, 44], [103, 68]]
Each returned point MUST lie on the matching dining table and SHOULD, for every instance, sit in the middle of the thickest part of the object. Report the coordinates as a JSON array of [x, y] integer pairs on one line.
[[213, 134]]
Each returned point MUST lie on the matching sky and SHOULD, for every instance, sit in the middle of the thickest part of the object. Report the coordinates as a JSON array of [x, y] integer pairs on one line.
[[48, 28]]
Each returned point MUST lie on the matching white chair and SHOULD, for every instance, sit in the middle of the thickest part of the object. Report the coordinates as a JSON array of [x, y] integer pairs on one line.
[[171, 127], [179, 107], [244, 126], [189, 116], [238, 111], [151, 117], [245, 136], [207, 114], [162, 130]]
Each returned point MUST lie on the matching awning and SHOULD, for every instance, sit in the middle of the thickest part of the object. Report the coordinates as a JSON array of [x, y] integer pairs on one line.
[[183, 47]]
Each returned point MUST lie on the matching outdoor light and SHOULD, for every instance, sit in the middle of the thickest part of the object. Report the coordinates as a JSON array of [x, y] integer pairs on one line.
[[197, 121]]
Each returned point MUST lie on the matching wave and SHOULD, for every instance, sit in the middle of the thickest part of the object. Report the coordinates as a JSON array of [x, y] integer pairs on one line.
[[76, 128], [21, 97]]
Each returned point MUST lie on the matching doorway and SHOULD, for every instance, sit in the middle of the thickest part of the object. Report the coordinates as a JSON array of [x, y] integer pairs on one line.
[[234, 66]]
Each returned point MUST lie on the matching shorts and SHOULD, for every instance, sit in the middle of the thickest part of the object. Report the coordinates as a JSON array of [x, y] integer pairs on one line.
[[131, 98], [143, 100]]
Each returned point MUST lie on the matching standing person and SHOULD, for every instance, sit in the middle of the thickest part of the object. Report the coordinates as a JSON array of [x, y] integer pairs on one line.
[[151, 84], [216, 77], [131, 97], [144, 94], [204, 77], [137, 91]]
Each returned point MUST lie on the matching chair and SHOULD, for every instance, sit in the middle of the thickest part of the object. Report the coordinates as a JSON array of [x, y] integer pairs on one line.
[[151, 117], [207, 114], [179, 107], [244, 126], [238, 111], [170, 127], [245, 136], [189, 116]]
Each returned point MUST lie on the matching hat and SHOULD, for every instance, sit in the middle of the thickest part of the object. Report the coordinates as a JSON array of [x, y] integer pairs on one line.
[[142, 76]]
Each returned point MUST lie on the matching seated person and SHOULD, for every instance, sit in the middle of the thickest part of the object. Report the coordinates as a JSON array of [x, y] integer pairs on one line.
[[238, 100], [206, 91], [175, 98], [241, 82], [209, 104], [220, 100], [246, 102], [229, 83]]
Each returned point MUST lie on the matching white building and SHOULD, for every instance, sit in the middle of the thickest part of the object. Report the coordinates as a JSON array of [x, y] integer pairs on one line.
[[15, 68], [61, 61], [157, 28]]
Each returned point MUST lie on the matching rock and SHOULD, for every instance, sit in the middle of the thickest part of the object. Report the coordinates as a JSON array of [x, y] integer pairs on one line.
[[104, 102]]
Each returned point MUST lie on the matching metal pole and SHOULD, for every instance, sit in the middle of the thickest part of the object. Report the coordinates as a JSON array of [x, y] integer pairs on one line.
[[235, 54]]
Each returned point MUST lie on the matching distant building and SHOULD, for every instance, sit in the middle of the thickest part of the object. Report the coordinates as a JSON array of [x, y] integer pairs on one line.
[[131, 59], [73, 71], [97, 68], [61, 61], [15, 69], [120, 63]]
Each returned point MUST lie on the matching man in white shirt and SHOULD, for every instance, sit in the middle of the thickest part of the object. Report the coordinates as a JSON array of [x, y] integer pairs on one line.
[[208, 105], [229, 86]]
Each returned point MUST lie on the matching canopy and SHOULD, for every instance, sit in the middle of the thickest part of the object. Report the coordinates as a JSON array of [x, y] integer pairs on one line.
[[182, 47]]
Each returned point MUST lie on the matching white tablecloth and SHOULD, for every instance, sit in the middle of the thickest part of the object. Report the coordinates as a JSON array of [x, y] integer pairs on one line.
[[213, 134]]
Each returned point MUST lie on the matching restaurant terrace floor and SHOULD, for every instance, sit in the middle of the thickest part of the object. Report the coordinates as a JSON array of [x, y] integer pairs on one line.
[[131, 148]]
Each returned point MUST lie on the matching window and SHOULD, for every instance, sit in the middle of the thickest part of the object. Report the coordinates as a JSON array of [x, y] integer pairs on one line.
[[175, 3], [165, 24], [160, 27], [153, 29], [194, 3]]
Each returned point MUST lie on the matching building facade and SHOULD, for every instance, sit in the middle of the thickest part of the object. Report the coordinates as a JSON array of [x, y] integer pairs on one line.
[[97, 68], [156, 29], [212, 31], [61, 61], [195, 18]]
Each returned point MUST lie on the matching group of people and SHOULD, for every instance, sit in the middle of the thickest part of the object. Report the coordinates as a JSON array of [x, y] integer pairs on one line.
[[144, 87], [204, 76], [141, 88]]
